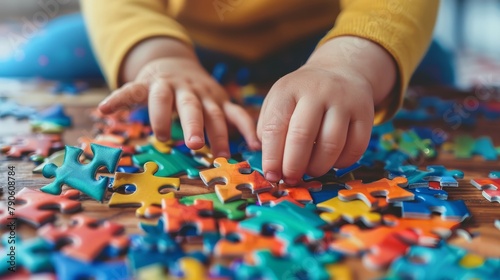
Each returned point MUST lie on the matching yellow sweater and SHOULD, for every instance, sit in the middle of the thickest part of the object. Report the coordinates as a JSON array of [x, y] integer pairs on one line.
[[250, 29]]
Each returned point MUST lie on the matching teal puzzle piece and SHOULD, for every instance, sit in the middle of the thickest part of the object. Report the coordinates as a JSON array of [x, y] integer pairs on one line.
[[33, 255], [169, 164]]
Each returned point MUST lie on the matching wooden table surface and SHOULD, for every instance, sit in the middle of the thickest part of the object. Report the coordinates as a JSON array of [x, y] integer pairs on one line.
[[483, 212]]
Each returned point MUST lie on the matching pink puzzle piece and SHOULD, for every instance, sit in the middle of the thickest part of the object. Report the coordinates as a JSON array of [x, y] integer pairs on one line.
[[88, 237], [40, 144], [384, 187], [36, 207], [298, 193]]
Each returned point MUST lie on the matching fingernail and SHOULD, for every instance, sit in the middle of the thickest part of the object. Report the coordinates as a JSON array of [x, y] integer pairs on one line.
[[272, 176], [195, 139], [292, 182], [104, 102]]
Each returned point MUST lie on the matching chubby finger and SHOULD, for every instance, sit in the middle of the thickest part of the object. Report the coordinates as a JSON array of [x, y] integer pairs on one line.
[[240, 118], [160, 102], [126, 96], [329, 143], [272, 128], [358, 137], [191, 115], [300, 137], [216, 128]]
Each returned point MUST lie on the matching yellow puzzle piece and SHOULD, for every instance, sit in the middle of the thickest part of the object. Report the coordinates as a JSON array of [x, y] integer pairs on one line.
[[350, 211]]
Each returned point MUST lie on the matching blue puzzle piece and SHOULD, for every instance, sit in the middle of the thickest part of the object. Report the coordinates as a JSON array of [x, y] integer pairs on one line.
[[494, 174], [169, 164], [140, 115], [327, 192], [33, 255], [484, 146], [254, 158], [82, 176], [441, 194], [69, 268], [127, 169], [424, 205], [218, 271], [11, 109], [442, 262], [420, 178], [291, 221], [418, 115], [54, 114]]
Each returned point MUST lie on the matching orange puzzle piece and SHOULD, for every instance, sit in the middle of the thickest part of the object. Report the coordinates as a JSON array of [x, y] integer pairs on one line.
[[298, 193], [36, 207], [384, 187], [247, 242], [88, 237], [39, 144], [232, 175], [147, 188], [177, 215]]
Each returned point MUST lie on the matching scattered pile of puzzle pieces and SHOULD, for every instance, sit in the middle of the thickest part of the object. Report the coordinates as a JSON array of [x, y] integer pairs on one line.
[[247, 228]]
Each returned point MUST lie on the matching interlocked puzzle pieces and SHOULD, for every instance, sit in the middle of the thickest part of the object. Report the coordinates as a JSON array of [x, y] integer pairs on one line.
[[438, 173], [82, 176], [424, 205], [291, 220], [246, 243], [177, 215], [300, 193], [33, 255], [233, 210], [254, 158], [70, 268], [444, 262], [170, 164], [367, 192], [39, 145], [147, 188], [89, 238], [231, 175], [489, 186], [351, 211], [35, 207]]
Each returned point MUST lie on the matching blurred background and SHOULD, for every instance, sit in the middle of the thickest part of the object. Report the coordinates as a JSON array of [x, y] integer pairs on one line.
[[466, 37]]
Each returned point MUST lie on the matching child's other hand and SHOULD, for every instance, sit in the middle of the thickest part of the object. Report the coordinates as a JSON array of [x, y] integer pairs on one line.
[[180, 83], [321, 115]]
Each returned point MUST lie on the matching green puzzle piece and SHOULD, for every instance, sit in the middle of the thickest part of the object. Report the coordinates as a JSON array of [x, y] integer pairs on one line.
[[176, 131], [33, 255], [82, 176], [233, 210], [170, 164], [464, 146], [291, 220], [56, 158]]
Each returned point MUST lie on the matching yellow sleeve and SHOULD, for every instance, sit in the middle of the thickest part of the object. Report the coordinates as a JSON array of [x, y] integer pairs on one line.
[[116, 26], [403, 28]]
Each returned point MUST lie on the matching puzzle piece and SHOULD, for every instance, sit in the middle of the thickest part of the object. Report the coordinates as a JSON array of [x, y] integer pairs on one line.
[[438, 173], [268, 266], [36, 207], [46, 128], [300, 193], [411, 144], [353, 240], [435, 191], [11, 109], [33, 255], [39, 145], [327, 192], [130, 130], [233, 210], [177, 215], [254, 158], [443, 262], [89, 238], [154, 271], [291, 221], [350, 211], [484, 146], [192, 269], [391, 247], [490, 187], [54, 115], [383, 187], [492, 195], [203, 156], [170, 164], [82, 176], [104, 140], [494, 174], [473, 241], [147, 188], [424, 205], [70, 268], [246, 242], [232, 176]]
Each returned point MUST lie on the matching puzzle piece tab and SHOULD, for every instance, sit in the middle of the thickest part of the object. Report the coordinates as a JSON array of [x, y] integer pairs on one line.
[[82, 176], [147, 188], [36, 207], [351, 211], [89, 238], [232, 176], [234, 210], [384, 187], [424, 205]]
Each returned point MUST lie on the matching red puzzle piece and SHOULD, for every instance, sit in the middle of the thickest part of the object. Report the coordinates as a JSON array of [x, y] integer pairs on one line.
[[40, 145], [232, 175], [391, 247], [247, 242], [88, 237], [384, 187], [298, 193], [490, 187], [36, 207], [177, 215]]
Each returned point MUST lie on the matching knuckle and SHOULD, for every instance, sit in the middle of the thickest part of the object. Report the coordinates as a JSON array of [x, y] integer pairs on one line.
[[330, 148], [188, 101], [299, 135], [270, 130]]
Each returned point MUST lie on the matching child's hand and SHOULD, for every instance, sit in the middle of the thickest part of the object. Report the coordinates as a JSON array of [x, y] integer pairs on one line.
[[321, 115], [180, 83]]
